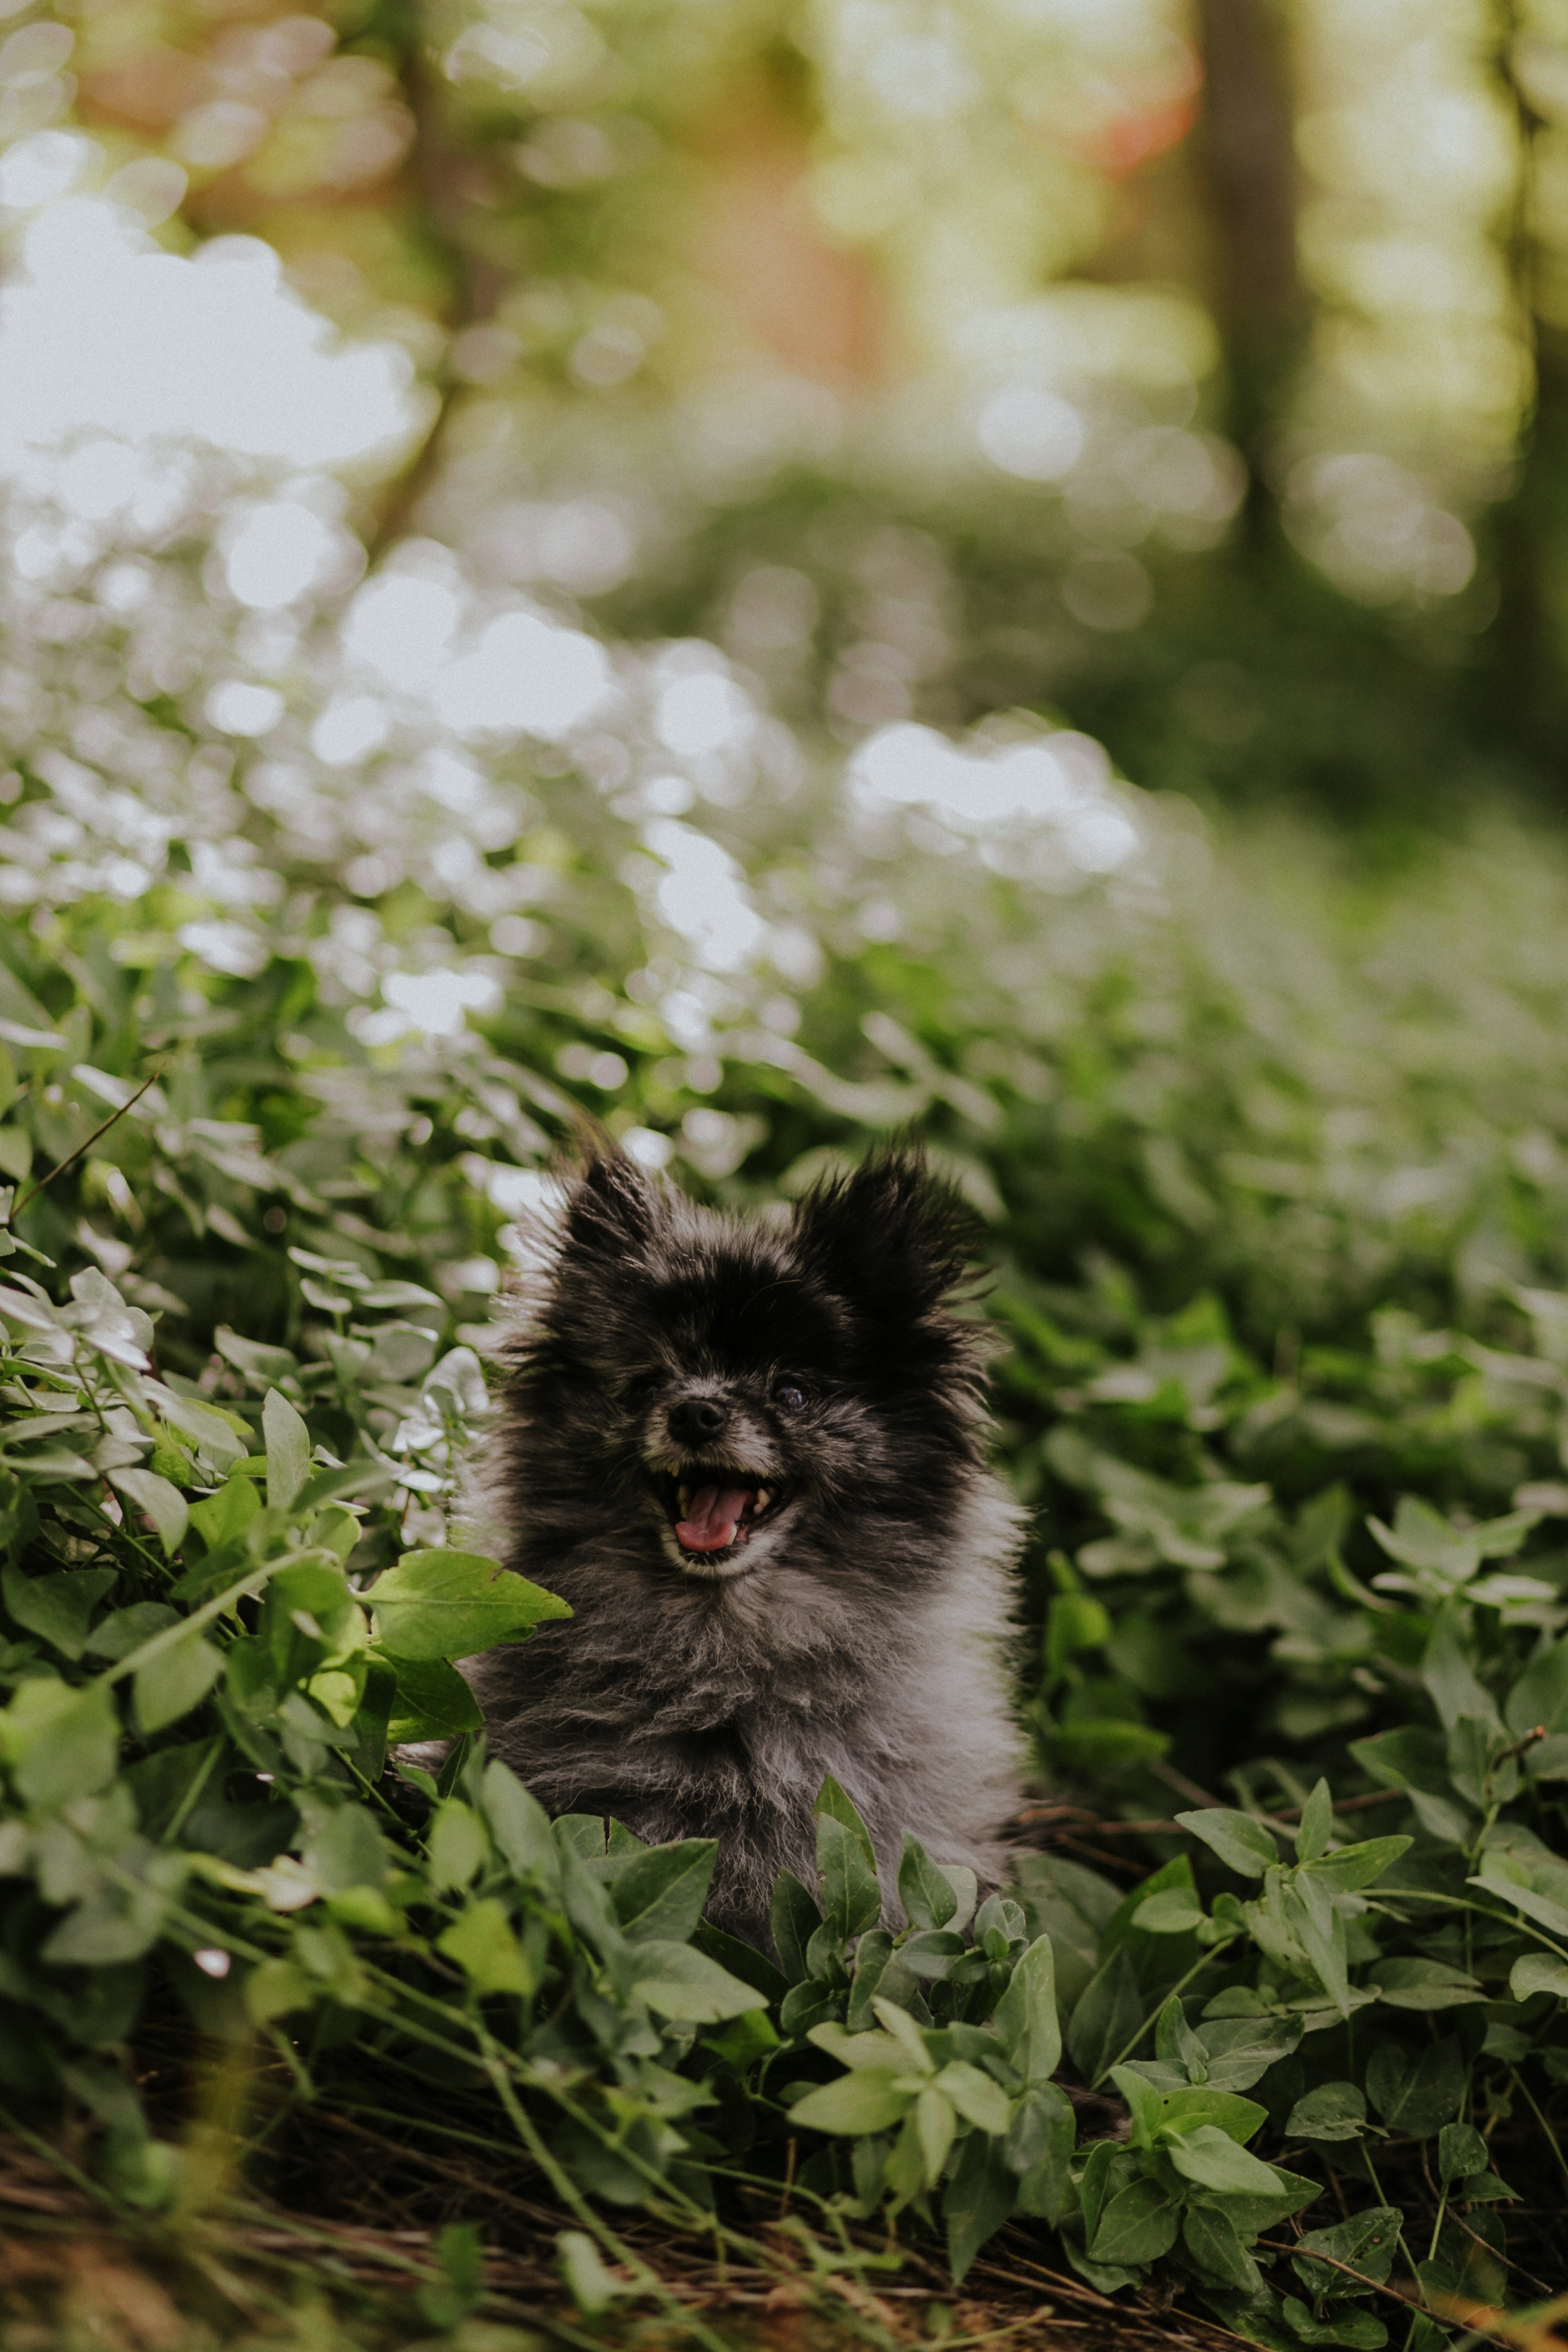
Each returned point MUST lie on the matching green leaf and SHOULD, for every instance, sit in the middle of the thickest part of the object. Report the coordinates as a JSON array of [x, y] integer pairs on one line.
[[59, 1607], [457, 1843], [832, 1804], [682, 1983], [1355, 1867], [591, 2287], [482, 1943], [978, 2200], [660, 1893], [1540, 1696], [1450, 1680], [1539, 1972], [1358, 2329], [1366, 2243], [174, 1681], [1176, 1912], [1423, 1984], [1317, 1824], [124, 1629], [851, 1896], [1214, 2244], [1461, 2151], [1239, 2119], [163, 1504], [519, 1826], [978, 2096], [223, 1518], [1106, 2018], [869, 2100], [432, 1702], [342, 1846], [453, 1604], [1333, 2111], [1212, 2159], [288, 1450], [1416, 2090], [1242, 1843], [1539, 1907], [63, 1743], [1026, 2015], [935, 2124], [1138, 2225], [794, 1919], [926, 1894]]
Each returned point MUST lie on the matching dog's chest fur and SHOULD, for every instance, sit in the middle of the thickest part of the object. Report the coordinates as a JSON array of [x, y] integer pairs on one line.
[[719, 1713]]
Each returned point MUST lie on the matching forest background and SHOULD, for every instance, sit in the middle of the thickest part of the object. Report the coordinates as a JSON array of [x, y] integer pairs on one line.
[[780, 574]]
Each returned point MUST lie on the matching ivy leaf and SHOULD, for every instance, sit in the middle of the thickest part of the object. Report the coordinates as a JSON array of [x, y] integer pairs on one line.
[[1175, 1912], [794, 1919], [1461, 2151], [1539, 1972], [1242, 1843], [482, 1943], [174, 1681], [63, 1743], [453, 1604], [851, 1896], [457, 1843], [978, 2096], [1106, 2018], [59, 1607], [927, 1895], [1333, 2111], [288, 1450], [980, 2196], [1026, 2015], [1139, 2224], [432, 1702], [1355, 1867], [1211, 2158], [870, 2099], [163, 1504], [1423, 1984], [520, 1825], [1317, 1824], [1366, 2242], [1416, 2090], [684, 1985], [1216, 2244], [658, 1895], [833, 1804]]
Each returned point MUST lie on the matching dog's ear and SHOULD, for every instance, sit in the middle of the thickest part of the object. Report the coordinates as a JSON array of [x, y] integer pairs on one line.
[[888, 1234], [611, 1209]]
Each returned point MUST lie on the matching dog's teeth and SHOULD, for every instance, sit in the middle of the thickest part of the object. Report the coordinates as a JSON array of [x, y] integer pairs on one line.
[[683, 1495], [764, 1498]]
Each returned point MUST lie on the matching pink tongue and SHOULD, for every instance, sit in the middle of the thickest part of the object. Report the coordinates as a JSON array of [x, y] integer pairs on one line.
[[715, 1518]]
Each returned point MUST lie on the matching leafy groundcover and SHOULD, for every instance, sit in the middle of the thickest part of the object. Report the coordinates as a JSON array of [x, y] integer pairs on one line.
[[1300, 2073], [1269, 2032]]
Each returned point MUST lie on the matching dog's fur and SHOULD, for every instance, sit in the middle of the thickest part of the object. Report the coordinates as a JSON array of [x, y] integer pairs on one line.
[[858, 1628]]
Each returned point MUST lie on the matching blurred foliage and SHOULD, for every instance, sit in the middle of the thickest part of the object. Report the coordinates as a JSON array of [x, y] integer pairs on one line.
[[675, 657]]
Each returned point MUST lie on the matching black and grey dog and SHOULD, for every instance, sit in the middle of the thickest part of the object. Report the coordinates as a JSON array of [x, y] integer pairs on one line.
[[751, 1457]]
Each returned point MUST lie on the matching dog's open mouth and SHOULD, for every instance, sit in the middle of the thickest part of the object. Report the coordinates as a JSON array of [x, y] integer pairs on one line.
[[712, 1507]]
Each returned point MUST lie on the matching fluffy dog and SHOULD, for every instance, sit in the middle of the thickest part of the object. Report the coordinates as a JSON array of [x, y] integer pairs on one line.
[[751, 1457]]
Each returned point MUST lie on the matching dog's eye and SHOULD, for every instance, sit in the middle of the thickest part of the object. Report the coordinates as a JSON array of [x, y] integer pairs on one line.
[[790, 1397]]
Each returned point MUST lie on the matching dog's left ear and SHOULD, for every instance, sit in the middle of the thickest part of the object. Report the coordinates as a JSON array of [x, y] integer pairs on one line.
[[889, 1233], [610, 1209]]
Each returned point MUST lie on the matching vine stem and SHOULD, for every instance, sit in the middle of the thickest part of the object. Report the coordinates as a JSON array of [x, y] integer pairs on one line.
[[1175, 1994], [1519, 2084]]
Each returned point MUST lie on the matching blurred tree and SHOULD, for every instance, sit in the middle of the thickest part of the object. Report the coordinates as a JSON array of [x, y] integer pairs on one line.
[[1202, 375]]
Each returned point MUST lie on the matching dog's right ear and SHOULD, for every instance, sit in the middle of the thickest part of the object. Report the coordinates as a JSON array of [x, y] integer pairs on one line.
[[610, 1209]]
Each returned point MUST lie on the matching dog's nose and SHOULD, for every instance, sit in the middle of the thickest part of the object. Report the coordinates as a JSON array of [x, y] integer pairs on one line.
[[697, 1420]]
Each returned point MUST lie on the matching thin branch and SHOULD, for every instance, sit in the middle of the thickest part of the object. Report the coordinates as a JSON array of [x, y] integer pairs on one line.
[[71, 1158]]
